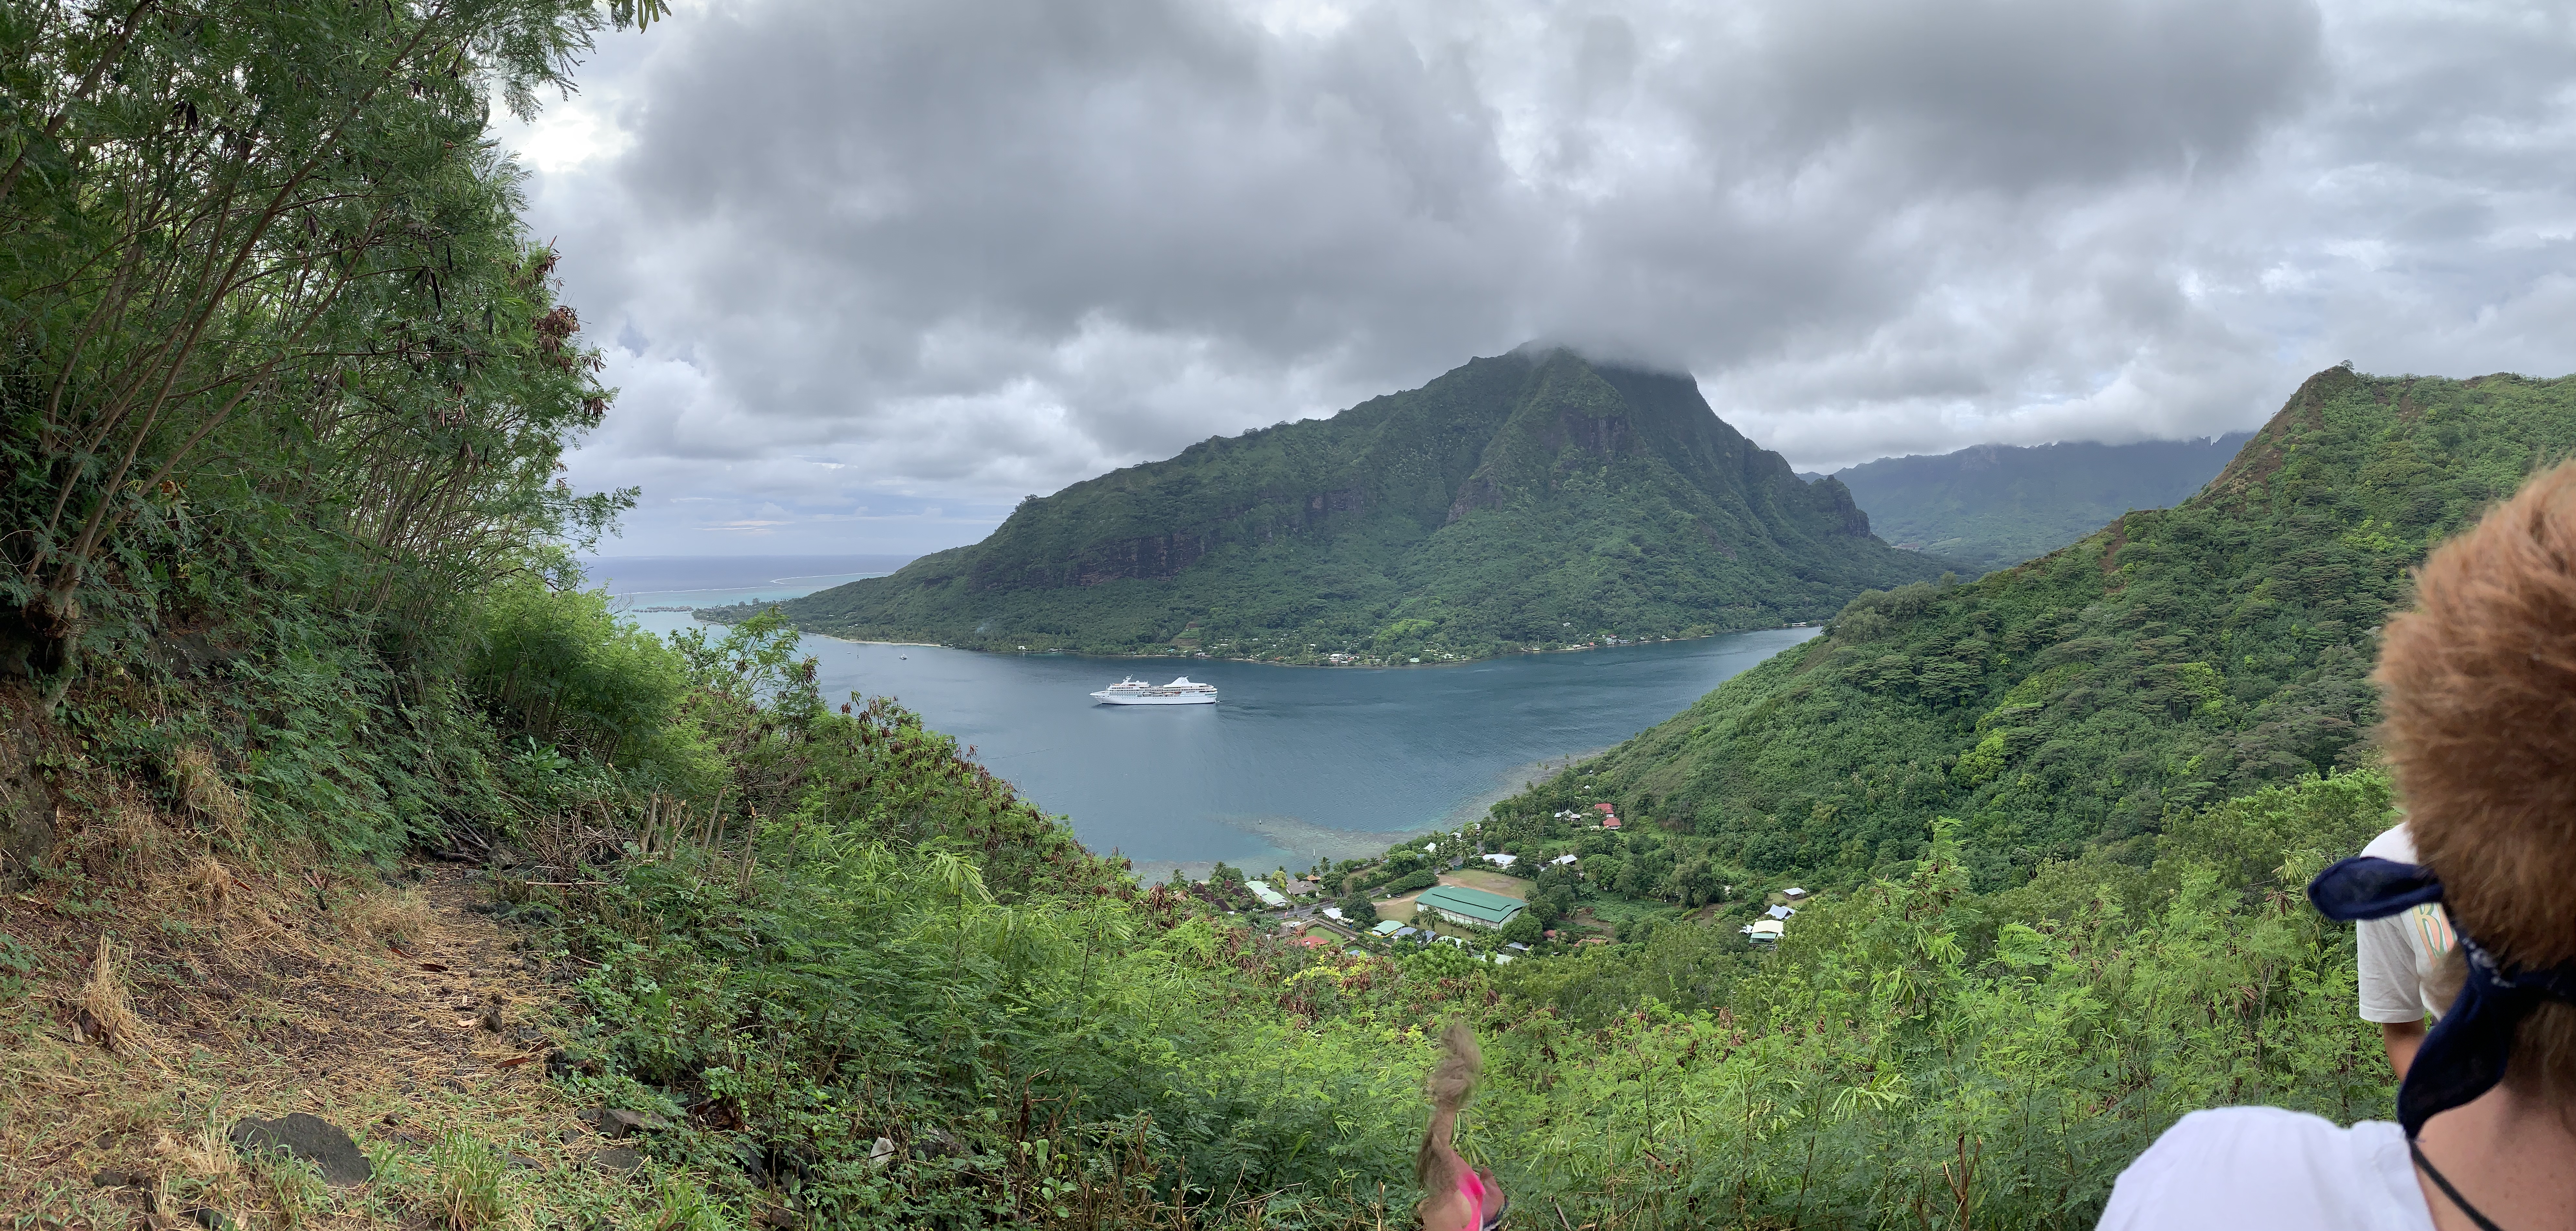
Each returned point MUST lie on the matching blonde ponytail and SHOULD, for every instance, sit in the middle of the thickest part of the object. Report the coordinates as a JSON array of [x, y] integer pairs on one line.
[[1451, 1083]]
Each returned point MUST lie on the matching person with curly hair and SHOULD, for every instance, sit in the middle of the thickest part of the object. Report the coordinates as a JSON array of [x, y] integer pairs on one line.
[[2478, 687]]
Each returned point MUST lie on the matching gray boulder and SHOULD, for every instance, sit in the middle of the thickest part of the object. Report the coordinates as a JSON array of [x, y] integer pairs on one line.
[[310, 1138]]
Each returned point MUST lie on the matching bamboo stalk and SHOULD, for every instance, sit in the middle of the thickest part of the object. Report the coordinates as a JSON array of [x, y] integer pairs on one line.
[[712, 814]]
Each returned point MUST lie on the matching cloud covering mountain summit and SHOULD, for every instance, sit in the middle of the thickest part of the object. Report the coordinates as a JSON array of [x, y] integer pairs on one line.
[[872, 261]]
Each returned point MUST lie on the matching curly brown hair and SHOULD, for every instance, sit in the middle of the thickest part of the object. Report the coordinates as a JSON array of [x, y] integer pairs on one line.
[[2478, 687]]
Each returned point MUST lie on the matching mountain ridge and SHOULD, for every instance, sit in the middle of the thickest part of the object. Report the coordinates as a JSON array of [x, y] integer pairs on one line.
[[1521, 501], [2077, 701], [1993, 505]]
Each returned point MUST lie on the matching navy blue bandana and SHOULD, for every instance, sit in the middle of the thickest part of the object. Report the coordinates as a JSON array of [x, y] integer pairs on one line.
[[2468, 1050]]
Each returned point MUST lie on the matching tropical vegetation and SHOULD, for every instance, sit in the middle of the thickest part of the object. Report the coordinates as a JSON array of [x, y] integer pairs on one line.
[[2173, 660]]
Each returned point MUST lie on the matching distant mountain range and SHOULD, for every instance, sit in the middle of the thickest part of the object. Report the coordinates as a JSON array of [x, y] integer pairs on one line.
[[1989, 506], [1528, 500]]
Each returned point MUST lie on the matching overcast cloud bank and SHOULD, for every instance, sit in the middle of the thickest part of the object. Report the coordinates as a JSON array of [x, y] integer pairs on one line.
[[869, 273]]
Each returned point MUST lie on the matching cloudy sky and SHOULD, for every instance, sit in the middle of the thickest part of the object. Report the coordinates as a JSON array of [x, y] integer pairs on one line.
[[868, 271]]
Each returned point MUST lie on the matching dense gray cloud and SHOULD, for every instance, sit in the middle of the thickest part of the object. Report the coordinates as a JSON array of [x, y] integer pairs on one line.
[[870, 272]]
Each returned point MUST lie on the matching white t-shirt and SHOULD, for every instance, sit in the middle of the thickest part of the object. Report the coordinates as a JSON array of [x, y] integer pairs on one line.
[[2399, 954], [2273, 1170]]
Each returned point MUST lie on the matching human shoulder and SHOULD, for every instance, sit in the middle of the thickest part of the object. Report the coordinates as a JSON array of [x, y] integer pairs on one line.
[[2269, 1168], [2396, 844]]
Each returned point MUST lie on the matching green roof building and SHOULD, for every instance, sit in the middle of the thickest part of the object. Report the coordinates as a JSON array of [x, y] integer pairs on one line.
[[1473, 907]]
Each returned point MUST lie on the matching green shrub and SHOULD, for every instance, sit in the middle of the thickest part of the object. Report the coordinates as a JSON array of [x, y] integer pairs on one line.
[[1411, 881], [465, 1182], [560, 667]]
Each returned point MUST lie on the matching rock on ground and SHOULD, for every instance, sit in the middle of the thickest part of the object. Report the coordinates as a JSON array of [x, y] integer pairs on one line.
[[308, 1137]]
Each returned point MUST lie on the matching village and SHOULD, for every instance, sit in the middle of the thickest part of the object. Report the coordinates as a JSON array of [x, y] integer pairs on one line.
[[1497, 906]]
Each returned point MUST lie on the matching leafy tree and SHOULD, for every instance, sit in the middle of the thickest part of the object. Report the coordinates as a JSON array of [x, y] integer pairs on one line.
[[1422, 878], [269, 313]]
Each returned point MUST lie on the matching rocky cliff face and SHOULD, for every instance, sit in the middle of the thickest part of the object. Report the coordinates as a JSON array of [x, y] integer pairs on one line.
[[1510, 500]]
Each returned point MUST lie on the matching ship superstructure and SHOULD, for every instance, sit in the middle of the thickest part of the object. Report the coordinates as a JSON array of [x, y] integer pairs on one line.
[[1137, 692]]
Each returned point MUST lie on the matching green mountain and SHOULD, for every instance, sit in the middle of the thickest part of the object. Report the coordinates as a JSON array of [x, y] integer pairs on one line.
[[1520, 501], [2175, 659], [1994, 505]]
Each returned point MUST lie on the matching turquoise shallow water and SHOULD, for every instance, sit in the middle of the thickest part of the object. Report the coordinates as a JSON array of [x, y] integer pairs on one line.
[[1291, 763]]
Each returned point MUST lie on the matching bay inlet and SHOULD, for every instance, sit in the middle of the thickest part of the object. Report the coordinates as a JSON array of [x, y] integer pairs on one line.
[[1292, 763]]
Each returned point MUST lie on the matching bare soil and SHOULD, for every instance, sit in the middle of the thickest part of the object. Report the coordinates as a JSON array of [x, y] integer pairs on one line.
[[259, 991]]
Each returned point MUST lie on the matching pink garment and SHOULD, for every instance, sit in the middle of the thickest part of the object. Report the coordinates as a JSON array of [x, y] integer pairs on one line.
[[1471, 1189]]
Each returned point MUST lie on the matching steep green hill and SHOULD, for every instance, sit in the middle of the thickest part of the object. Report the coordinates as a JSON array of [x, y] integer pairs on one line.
[[2174, 659], [1530, 499], [1995, 505]]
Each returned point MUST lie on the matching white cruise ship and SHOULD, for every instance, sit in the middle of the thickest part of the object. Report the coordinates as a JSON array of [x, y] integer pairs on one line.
[[1138, 692]]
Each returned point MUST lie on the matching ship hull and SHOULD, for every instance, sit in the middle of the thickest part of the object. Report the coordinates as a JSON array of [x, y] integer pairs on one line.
[[1184, 699]]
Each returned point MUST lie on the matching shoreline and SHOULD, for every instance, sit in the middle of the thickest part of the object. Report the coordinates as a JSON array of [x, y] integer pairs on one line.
[[1293, 838], [1296, 841], [1256, 662]]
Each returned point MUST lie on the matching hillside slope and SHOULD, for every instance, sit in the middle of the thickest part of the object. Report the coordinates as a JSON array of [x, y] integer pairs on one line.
[[1529, 499], [1996, 505], [2174, 659]]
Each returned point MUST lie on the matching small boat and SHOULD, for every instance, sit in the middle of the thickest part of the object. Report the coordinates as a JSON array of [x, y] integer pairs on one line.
[[1138, 692]]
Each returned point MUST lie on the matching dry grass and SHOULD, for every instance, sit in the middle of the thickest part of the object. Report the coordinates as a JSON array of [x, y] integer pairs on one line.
[[123, 843], [199, 1169], [393, 919], [204, 791], [211, 894], [101, 1013], [235, 988]]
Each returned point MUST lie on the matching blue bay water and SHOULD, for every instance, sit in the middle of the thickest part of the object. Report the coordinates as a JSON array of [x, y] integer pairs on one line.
[[1292, 763]]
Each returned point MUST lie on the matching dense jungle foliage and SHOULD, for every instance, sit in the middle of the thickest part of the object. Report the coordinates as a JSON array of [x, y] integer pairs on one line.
[[2175, 659], [1992, 506], [282, 391], [271, 326], [1520, 502]]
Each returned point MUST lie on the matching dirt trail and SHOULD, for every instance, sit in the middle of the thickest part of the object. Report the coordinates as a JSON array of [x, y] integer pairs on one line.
[[374, 1008]]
